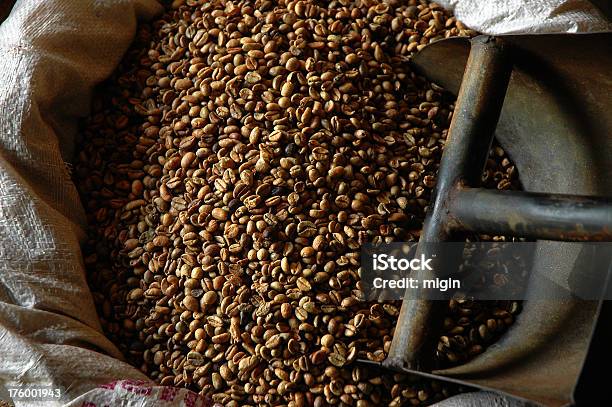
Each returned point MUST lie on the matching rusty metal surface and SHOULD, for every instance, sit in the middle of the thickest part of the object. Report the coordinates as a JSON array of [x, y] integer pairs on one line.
[[555, 126], [532, 215]]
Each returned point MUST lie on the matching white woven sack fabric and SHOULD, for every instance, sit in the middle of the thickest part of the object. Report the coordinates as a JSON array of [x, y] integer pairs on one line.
[[528, 16]]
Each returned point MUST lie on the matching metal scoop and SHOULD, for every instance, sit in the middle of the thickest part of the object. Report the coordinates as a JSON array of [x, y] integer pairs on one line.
[[546, 98]]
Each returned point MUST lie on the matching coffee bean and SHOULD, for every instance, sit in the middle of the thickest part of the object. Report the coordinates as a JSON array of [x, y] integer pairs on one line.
[[210, 297], [303, 284], [219, 214], [191, 303]]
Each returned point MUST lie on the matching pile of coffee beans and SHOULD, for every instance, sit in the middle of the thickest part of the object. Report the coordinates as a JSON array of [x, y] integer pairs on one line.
[[231, 171]]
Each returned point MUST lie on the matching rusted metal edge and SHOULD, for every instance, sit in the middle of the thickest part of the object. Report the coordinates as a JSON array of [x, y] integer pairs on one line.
[[531, 215]]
